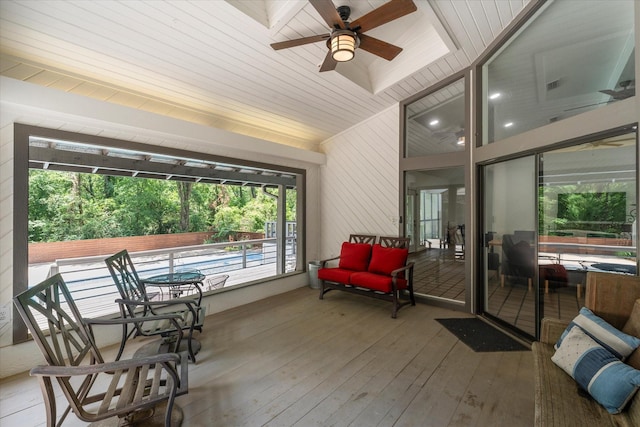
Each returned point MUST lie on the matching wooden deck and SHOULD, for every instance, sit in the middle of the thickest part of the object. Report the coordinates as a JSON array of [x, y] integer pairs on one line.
[[294, 360]]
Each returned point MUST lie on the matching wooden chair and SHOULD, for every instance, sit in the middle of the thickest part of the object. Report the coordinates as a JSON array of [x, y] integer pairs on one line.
[[362, 238], [95, 389], [137, 305]]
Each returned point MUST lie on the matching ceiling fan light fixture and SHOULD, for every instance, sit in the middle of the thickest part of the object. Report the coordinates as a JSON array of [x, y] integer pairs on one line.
[[343, 45]]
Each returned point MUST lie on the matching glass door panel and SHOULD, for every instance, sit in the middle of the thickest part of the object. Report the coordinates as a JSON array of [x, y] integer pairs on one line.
[[509, 250], [438, 227], [587, 219]]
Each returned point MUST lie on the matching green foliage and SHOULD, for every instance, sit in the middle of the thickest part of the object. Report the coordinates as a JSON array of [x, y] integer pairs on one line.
[[70, 206]]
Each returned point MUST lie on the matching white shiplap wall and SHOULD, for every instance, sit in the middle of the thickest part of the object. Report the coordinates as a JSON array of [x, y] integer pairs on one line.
[[360, 182]]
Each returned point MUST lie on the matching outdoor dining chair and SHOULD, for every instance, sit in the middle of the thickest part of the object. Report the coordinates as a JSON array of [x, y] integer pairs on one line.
[[136, 304], [136, 390]]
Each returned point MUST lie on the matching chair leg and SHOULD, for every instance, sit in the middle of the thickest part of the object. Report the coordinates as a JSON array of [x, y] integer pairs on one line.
[[123, 341], [49, 400], [394, 312]]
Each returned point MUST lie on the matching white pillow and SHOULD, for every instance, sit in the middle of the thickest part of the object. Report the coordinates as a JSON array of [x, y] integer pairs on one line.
[[608, 380]]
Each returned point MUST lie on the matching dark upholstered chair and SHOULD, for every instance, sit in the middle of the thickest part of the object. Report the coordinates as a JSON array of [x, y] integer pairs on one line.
[[518, 260], [95, 389], [136, 304]]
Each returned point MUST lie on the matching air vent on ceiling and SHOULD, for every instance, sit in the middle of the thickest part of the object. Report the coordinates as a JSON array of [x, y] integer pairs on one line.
[[553, 85]]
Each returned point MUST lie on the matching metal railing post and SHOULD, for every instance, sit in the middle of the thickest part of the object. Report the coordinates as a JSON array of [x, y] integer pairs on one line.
[[244, 255]]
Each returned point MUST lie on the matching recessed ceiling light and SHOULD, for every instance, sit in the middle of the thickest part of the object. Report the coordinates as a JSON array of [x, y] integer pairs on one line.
[[495, 95], [434, 122], [508, 124]]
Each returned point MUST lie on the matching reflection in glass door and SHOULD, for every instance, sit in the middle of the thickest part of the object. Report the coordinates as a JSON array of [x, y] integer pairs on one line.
[[587, 220], [509, 250], [435, 208]]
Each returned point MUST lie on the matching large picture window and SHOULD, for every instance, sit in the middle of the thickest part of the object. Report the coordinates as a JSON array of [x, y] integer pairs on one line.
[[87, 198]]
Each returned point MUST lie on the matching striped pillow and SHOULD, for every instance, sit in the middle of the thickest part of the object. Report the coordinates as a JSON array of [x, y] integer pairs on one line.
[[608, 380], [615, 341]]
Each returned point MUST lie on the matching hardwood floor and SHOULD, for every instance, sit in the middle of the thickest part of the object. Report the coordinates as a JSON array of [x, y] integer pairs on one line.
[[294, 360]]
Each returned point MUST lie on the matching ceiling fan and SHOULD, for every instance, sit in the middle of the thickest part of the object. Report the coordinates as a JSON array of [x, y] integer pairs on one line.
[[627, 90], [346, 36]]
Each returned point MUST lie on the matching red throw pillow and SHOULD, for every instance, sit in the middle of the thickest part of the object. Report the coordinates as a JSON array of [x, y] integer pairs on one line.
[[355, 256], [385, 260]]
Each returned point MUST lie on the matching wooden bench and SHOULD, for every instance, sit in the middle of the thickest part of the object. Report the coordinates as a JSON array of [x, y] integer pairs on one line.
[[377, 270]]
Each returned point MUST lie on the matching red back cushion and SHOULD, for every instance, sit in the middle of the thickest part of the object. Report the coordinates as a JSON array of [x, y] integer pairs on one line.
[[385, 260], [355, 256]]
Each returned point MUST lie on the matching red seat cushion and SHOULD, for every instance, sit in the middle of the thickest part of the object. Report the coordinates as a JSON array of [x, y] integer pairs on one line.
[[376, 282], [339, 275], [355, 256], [385, 260]]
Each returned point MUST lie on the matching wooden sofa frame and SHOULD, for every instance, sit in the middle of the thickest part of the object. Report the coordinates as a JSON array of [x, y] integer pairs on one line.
[[395, 295]]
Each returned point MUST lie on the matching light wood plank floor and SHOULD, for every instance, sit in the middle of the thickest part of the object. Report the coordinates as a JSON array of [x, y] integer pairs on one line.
[[294, 360]]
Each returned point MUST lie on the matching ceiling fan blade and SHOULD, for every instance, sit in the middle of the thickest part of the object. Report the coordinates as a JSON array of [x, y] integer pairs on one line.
[[299, 42], [328, 12], [378, 47], [619, 94], [385, 13], [329, 64], [609, 92]]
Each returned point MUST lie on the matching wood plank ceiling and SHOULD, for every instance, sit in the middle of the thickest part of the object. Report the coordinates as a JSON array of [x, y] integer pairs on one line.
[[209, 62]]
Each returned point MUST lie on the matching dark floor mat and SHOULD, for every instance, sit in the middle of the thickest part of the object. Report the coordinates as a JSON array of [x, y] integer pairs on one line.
[[480, 336]]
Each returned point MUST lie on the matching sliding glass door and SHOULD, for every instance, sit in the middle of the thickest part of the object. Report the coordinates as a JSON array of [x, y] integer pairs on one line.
[[509, 249], [588, 209], [549, 219]]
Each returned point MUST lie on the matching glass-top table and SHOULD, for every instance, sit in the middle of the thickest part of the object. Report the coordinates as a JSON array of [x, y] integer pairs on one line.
[[178, 283]]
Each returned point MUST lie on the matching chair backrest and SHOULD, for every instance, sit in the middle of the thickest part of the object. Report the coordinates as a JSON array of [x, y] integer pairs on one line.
[[126, 278], [216, 282], [362, 238], [612, 296], [68, 342], [395, 242]]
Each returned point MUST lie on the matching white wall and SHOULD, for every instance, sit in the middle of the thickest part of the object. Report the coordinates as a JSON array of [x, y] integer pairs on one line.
[[35, 105], [360, 181]]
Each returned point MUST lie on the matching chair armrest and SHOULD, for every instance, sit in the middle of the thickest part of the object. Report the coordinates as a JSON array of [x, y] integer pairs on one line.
[[325, 261], [188, 302], [122, 320], [551, 329], [68, 371], [397, 271]]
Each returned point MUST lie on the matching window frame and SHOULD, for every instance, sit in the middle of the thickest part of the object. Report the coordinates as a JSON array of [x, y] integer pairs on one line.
[[22, 135]]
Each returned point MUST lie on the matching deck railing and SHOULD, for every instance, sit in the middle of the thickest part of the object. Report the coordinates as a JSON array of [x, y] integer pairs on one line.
[[94, 292]]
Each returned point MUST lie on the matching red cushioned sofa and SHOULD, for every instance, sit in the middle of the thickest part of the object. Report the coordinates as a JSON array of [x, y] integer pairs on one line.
[[379, 270]]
